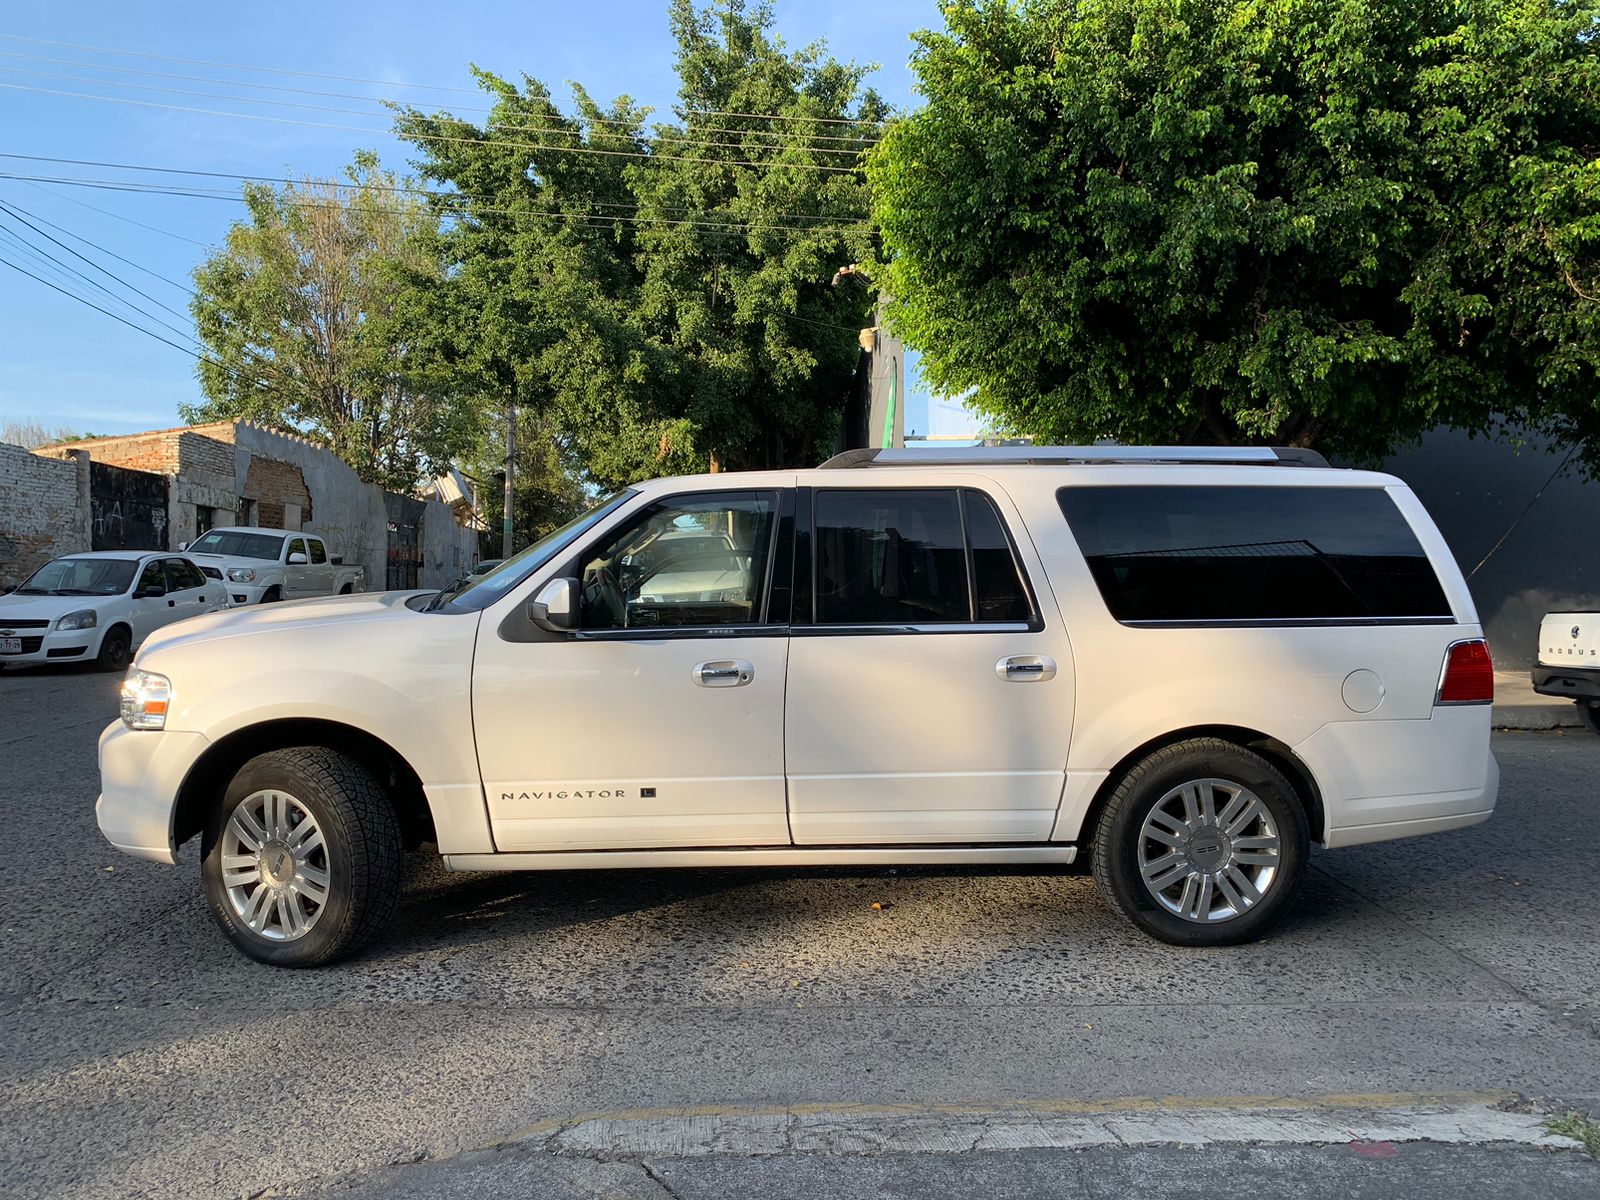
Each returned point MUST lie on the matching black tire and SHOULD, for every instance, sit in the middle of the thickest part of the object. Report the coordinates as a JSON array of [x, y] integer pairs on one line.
[[272, 595], [345, 590], [364, 856], [116, 649], [1118, 833], [1589, 714]]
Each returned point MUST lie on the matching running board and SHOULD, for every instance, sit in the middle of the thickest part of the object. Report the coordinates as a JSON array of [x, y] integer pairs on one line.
[[766, 856]]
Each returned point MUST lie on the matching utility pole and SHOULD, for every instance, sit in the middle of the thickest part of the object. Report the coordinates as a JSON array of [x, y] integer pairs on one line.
[[511, 458]]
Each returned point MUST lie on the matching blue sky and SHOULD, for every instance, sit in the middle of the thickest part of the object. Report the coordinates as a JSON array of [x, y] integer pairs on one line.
[[65, 365]]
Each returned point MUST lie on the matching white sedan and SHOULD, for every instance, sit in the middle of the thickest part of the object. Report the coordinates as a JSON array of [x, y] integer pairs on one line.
[[100, 606]]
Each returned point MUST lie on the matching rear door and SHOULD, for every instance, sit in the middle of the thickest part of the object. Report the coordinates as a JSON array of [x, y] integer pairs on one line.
[[930, 678], [189, 592]]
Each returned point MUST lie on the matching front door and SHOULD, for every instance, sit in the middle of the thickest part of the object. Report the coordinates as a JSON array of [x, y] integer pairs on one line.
[[148, 610], [931, 688], [296, 575], [660, 722]]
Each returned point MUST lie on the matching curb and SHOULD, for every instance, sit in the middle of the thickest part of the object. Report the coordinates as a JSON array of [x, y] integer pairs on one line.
[[847, 1129]]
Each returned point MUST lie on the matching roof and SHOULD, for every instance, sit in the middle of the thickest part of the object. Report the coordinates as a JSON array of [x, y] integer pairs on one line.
[[122, 554], [994, 456]]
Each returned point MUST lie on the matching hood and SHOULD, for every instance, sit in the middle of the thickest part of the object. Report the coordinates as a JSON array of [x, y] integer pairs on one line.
[[42, 608], [359, 607], [233, 560]]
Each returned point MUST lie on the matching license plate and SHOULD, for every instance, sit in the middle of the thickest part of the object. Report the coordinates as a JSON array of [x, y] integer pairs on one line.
[[10, 645]]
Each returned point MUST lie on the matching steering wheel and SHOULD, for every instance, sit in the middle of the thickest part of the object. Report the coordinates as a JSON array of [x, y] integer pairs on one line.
[[603, 597]]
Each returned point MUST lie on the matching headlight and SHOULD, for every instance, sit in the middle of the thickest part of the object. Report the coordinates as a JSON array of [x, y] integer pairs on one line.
[[145, 696], [241, 575], [84, 618]]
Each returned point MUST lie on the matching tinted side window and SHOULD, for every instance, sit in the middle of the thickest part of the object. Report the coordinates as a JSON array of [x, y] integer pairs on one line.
[[319, 553], [181, 576], [152, 576], [890, 557], [688, 562], [1251, 553], [997, 590]]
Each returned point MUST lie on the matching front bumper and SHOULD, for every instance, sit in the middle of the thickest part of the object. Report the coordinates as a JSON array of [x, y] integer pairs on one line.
[[49, 645], [140, 774], [1570, 683], [241, 594]]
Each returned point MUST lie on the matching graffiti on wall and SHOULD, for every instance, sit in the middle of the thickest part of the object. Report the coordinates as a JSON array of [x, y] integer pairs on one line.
[[127, 509]]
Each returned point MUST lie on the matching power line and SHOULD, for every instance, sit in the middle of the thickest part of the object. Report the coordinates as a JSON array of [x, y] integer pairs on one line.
[[400, 189], [16, 216], [97, 308], [469, 210], [17, 208], [425, 137], [389, 83], [72, 277], [39, 187], [667, 138]]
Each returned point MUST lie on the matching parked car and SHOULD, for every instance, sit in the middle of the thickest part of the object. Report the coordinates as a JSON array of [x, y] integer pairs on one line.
[[261, 566], [1185, 666], [1569, 662], [100, 606]]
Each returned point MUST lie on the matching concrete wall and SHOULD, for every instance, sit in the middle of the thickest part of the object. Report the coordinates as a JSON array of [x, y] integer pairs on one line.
[[1475, 490], [44, 510], [232, 472]]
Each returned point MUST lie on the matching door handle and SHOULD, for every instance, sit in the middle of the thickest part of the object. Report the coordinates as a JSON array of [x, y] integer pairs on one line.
[[172, 604], [1026, 668], [723, 672]]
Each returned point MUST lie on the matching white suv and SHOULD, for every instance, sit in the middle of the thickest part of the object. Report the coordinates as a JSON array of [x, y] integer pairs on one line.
[[1184, 665]]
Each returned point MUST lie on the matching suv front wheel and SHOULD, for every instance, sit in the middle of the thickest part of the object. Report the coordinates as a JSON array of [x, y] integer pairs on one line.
[[1203, 843], [303, 857]]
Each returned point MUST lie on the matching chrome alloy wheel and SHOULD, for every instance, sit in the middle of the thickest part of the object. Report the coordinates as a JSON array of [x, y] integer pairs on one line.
[[1209, 850], [275, 865]]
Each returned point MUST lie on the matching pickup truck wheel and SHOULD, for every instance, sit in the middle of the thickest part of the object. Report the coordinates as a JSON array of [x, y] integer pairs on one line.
[[302, 857], [272, 595], [1589, 714], [1203, 843], [116, 648]]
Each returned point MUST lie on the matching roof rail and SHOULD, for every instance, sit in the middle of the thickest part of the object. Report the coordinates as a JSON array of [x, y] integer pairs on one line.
[[992, 456]]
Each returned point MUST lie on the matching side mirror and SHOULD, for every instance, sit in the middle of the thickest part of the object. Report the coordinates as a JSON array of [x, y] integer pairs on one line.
[[298, 560], [556, 606], [153, 592], [183, 546]]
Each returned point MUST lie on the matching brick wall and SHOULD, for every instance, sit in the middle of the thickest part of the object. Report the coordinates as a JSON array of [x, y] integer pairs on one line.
[[44, 510], [156, 452], [276, 487]]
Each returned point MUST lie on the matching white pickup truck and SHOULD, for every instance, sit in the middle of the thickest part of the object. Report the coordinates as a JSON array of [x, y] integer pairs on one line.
[[260, 566], [1569, 662]]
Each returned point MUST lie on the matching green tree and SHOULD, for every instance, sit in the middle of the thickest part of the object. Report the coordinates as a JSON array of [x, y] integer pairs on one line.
[[744, 219], [317, 316], [1333, 223], [661, 296]]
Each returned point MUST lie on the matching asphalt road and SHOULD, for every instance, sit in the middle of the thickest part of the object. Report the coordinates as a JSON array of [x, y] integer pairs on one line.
[[139, 1055]]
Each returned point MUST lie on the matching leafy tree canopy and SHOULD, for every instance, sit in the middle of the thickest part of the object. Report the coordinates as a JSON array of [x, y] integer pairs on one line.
[[662, 295], [317, 316], [1316, 222]]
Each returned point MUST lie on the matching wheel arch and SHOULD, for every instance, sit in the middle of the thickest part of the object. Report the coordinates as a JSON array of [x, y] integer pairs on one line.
[[212, 771], [1268, 747]]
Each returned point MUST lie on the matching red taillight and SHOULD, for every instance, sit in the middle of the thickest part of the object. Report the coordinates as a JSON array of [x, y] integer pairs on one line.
[[1468, 675]]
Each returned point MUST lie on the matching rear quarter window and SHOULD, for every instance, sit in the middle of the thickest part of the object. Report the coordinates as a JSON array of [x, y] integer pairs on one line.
[[1244, 554]]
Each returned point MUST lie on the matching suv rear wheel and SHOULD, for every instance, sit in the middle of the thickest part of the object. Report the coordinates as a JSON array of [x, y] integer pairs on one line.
[[303, 857], [1203, 843], [1589, 714]]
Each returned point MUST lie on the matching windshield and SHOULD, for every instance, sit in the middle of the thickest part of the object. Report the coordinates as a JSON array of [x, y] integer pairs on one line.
[[81, 577], [237, 544], [479, 591]]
